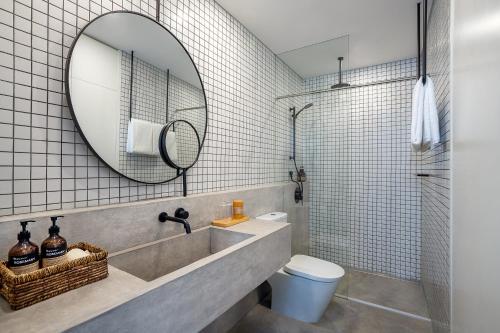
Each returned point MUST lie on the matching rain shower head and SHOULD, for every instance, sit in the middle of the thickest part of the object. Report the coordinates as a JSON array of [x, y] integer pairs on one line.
[[340, 84]]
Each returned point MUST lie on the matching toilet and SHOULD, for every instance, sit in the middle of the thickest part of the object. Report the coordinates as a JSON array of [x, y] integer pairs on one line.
[[304, 287]]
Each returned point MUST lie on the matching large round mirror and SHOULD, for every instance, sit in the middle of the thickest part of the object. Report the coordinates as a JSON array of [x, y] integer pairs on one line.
[[126, 78]]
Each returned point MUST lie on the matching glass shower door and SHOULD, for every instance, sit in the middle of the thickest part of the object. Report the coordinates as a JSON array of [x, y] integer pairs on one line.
[[326, 131]]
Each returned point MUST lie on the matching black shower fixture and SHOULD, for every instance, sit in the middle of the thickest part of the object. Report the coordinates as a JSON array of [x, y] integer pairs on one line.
[[340, 84], [299, 191], [294, 117]]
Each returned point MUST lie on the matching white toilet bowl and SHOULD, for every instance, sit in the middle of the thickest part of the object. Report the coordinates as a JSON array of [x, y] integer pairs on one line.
[[303, 288]]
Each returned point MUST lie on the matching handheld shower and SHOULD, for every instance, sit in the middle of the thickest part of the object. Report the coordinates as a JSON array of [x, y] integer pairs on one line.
[[299, 192]]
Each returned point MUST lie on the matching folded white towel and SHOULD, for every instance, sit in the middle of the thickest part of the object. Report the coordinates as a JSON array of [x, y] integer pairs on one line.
[[417, 115], [171, 143], [156, 137], [139, 137], [431, 135]]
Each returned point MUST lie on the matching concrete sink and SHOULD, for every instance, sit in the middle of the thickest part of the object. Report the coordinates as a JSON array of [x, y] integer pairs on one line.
[[153, 260]]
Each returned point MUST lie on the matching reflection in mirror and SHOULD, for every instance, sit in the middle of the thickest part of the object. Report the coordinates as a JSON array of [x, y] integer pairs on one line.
[[186, 102], [125, 84]]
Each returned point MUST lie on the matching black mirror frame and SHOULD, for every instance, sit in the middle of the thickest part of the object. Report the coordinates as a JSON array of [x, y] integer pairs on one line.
[[73, 115], [163, 147]]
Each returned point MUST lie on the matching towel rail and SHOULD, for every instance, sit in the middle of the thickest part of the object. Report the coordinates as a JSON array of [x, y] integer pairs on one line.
[[418, 40], [158, 3], [166, 98], [131, 84], [424, 45], [422, 52]]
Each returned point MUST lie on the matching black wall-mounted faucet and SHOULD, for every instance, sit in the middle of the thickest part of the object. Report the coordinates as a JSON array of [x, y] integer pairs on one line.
[[180, 216]]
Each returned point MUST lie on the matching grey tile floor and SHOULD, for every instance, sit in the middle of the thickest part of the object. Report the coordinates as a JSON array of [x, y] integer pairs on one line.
[[351, 316], [262, 320], [401, 295]]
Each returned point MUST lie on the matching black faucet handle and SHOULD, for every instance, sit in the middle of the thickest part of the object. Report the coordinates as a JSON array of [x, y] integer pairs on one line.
[[181, 213], [162, 217]]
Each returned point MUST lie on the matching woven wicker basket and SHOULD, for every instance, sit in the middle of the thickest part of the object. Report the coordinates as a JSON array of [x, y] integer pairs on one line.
[[26, 289]]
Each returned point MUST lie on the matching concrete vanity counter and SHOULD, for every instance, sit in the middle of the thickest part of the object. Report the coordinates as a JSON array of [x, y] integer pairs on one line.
[[185, 300]]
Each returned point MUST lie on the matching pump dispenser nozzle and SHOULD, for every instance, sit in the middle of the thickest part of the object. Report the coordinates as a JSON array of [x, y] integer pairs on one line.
[[54, 229], [24, 234]]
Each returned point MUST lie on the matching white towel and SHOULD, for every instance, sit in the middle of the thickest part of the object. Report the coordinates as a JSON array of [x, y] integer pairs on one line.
[[171, 143], [431, 136], [156, 137], [425, 120], [417, 115], [139, 137]]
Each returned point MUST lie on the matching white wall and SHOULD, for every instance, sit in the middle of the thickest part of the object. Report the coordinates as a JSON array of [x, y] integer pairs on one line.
[[95, 95], [476, 166]]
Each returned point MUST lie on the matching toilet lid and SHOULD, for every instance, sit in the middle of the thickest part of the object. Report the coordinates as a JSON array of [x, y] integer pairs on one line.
[[313, 268]]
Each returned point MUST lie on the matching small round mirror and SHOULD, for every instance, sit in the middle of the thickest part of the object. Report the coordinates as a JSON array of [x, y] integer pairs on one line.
[[179, 144]]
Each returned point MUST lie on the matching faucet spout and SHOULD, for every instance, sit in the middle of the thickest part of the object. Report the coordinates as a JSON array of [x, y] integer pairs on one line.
[[185, 223], [165, 217]]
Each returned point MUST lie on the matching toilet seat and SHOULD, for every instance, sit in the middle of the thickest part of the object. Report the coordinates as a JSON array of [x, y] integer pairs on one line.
[[313, 269]]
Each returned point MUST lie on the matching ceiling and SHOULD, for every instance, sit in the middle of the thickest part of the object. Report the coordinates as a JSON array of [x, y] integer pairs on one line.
[[317, 59], [378, 30]]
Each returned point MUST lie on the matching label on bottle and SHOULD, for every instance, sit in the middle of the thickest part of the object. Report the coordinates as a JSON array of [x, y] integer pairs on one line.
[[24, 264], [46, 262], [54, 256], [237, 212]]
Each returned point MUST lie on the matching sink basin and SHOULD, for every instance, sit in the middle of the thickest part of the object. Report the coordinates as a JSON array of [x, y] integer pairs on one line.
[[150, 261]]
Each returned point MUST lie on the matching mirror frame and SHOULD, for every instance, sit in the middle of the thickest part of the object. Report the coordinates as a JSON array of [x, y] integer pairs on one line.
[[72, 111], [163, 146]]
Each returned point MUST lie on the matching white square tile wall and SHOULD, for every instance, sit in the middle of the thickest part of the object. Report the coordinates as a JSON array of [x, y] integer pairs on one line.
[[44, 163], [364, 194], [435, 263]]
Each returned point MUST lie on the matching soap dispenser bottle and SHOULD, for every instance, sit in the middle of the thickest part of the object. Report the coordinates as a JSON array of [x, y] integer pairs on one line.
[[24, 257], [54, 248]]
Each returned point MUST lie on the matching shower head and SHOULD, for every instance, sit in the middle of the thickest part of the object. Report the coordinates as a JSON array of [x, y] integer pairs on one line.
[[307, 106], [340, 84]]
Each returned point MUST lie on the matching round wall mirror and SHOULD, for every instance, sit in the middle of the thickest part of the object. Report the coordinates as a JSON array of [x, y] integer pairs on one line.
[[179, 144], [127, 77]]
